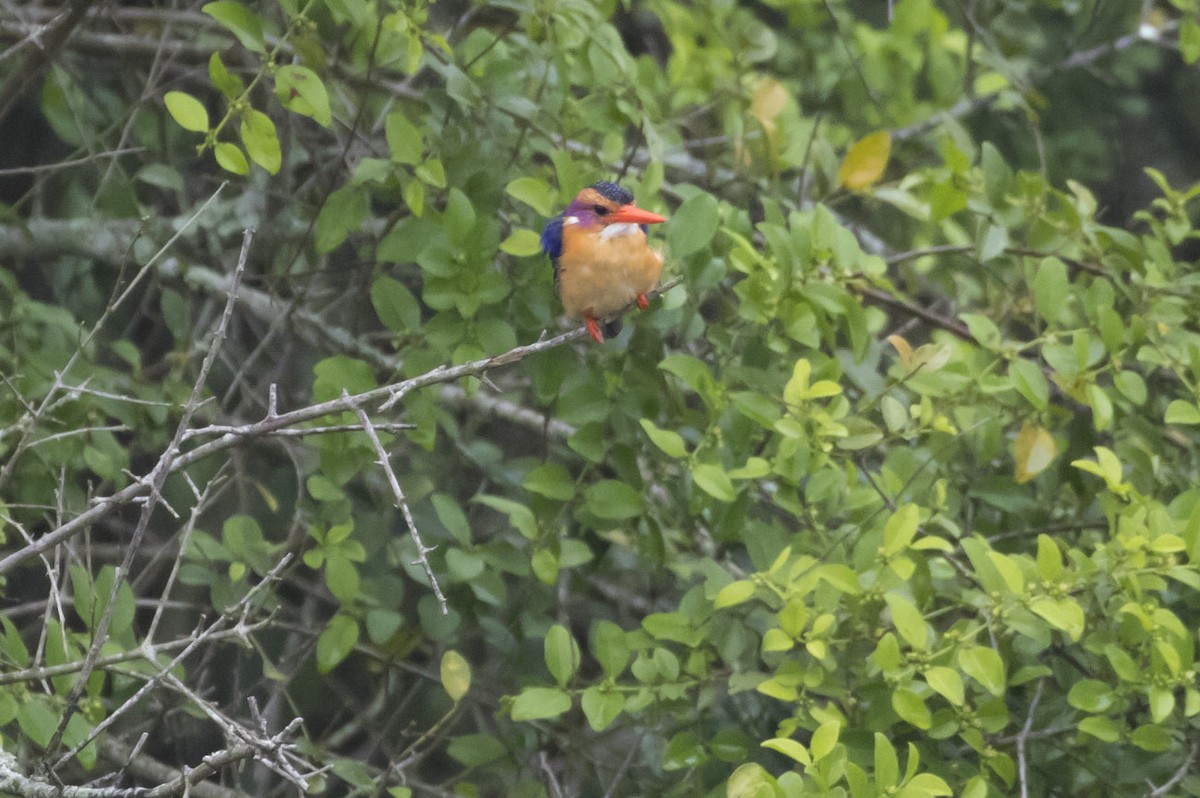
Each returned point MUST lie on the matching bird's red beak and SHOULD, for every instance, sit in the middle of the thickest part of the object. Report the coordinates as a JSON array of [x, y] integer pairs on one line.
[[634, 215]]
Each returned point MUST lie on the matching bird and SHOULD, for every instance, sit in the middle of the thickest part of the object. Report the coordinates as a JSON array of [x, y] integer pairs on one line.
[[602, 260]]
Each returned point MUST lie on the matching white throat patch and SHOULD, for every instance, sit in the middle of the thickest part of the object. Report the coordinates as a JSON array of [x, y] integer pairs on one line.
[[621, 229]]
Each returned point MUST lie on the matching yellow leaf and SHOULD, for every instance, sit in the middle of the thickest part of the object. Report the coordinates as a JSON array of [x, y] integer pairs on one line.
[[267, 496], [456, 675], [768, 102], [903, 348], [865, 161], [1033, 451]]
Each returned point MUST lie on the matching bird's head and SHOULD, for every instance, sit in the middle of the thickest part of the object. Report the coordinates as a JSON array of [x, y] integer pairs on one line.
[[603, 204]]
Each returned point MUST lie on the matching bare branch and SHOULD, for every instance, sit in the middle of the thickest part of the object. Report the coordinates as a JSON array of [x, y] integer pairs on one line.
[[156, 480], [401, 504], [388, 394]]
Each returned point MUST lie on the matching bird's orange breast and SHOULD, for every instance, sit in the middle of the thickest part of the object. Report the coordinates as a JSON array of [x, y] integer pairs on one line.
[[600, 275]]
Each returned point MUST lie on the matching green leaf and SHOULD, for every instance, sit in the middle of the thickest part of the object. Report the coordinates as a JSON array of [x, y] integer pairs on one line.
[[1064, 614], [343, 213], [793, 749], [887, 765], [985, 666], [336, 642], [13, 647], [669, 441], [231, 158], [1101, 728], [240, 21], [545, 566], [684, 751], [993, 242], [752, 781], [924, 785], [983, 330], [456, 675], [395, 305], [713, 480], [341, 576], [521, 243], [533, 192], [561, 653], [911, 708], [382, 625], [302, 91], [550, 480], [1132, 386], [188, 112], [226, 82], [540, 703], [908, 621], [610, 648], [734, 593], [414, 197], [1181, 411], [403, 139], [1189, 40], [946, 682], [1050, 289], [474, 750], [613, 501], [464, 565], [432, 173], [520, 516], [261, 141], [1152, 738], [693, 226], [824, 739], [900, 529], [37, 720], [1029, 381], [459, 216], [601, 706]]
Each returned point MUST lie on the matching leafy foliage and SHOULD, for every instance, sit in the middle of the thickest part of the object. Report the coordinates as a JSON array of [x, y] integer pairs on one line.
[[895, 494]]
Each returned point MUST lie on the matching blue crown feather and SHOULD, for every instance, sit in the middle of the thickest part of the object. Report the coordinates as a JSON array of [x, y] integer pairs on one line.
[[611, 191]]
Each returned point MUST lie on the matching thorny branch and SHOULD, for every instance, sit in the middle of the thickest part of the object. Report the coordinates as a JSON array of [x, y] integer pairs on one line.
[[154, 481], [235, 436], [401, 504]]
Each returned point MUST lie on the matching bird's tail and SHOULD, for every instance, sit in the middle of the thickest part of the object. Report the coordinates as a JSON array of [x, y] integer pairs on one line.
[[611, 328]]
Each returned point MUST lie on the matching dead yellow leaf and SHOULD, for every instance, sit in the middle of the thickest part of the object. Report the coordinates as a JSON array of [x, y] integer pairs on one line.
[[865, 161], [903, 348], [768, 102], [1033, 451]]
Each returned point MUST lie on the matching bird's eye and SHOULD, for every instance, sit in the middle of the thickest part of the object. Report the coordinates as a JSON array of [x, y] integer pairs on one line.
[[600, 210]]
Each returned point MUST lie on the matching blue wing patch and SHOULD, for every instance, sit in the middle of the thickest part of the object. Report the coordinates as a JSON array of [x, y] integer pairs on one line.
[[552, 246], [552, 237]]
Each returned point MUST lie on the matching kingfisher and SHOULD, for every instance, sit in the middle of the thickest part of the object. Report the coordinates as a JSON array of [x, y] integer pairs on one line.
[[602, 262]]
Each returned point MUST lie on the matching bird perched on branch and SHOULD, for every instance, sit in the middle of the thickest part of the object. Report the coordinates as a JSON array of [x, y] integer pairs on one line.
[[602, 262]]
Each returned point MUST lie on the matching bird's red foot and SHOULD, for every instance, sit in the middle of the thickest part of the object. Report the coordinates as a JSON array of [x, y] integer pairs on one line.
[[594, 329], [643, 303]]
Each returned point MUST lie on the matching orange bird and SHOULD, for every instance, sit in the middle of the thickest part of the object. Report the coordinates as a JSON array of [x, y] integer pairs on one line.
[[602, 262]]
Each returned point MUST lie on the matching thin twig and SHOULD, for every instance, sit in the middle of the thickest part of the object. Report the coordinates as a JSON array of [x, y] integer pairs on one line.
[[1022, 763], [401, 504], [156, 480], [388, 394], [1178, 775], [241, 629]]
